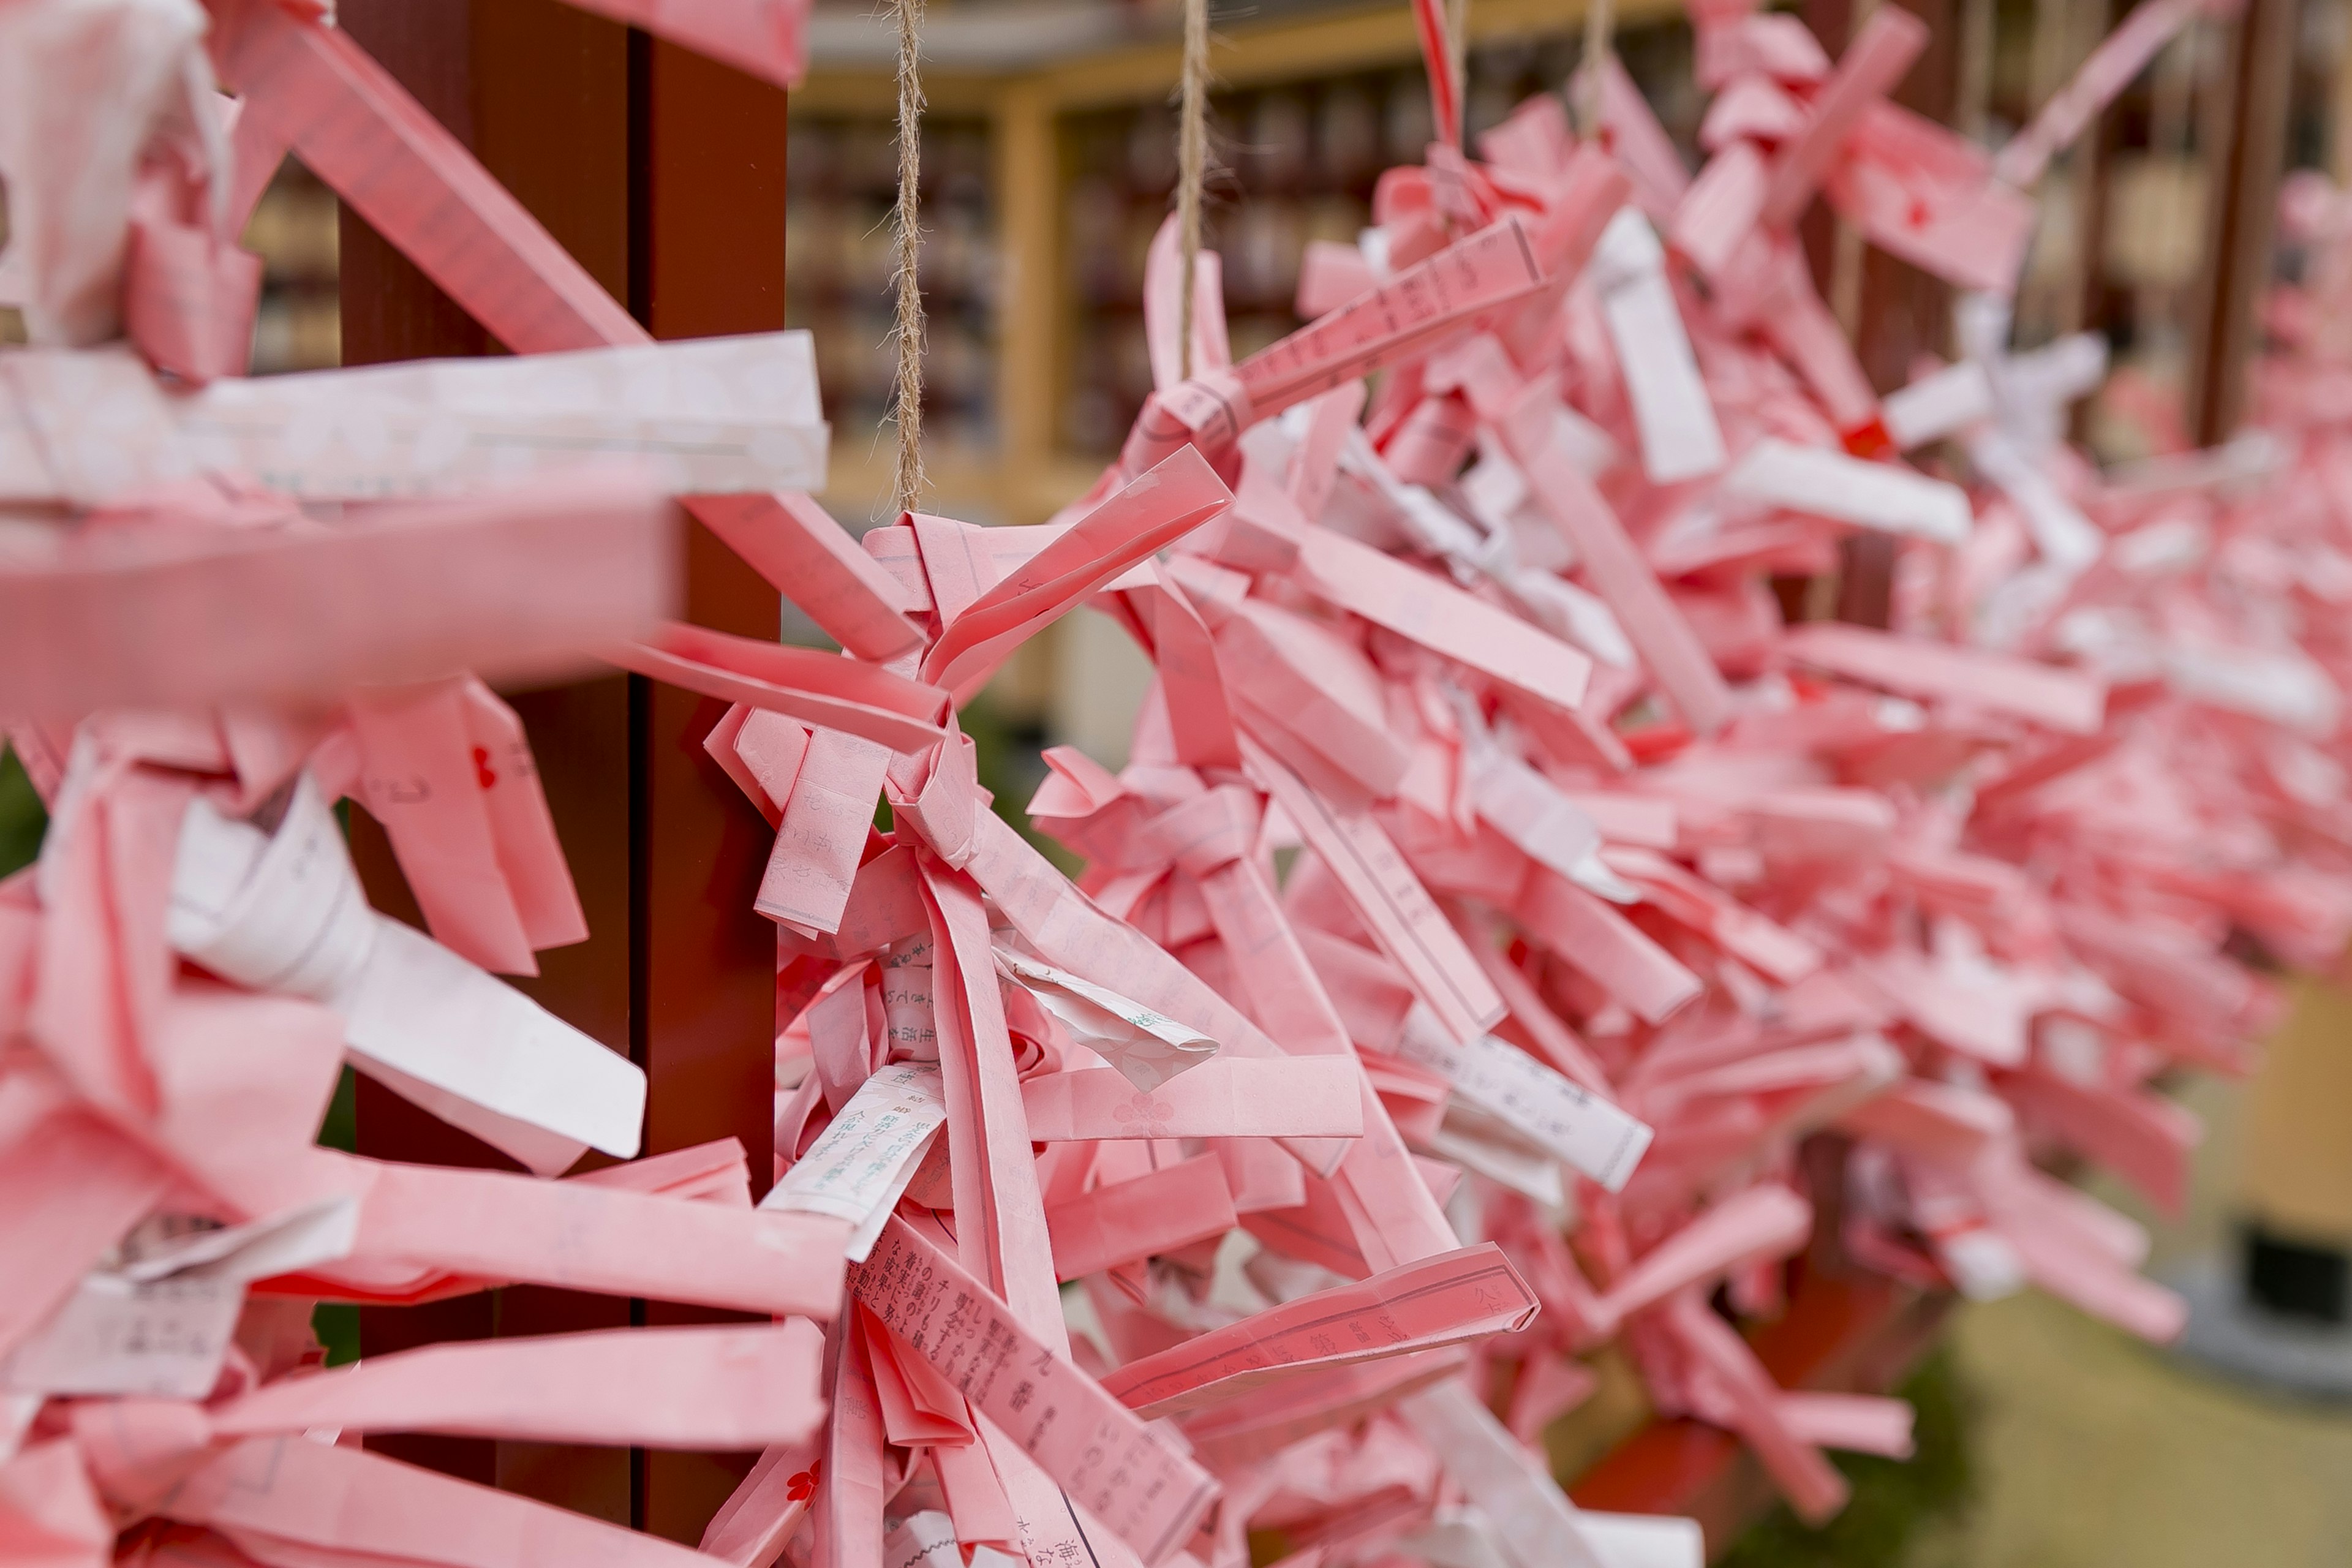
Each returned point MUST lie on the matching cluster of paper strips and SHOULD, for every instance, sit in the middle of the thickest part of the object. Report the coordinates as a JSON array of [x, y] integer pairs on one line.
[[1499, 888]]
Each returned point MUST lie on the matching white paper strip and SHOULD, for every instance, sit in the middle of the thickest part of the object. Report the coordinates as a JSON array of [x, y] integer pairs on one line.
[[158, 1321], [1537, 1525], [2067, 539], [1936, 406], [284, 912], [1147, 1047], [1680, 439], [861, 1163], [1600, 1140], [925, 1540], [708, 414], [1465, 1537], [1778, 473]]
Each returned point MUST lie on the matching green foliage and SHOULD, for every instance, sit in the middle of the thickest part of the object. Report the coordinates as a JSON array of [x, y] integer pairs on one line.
[[341, 1127], [22, 820], [336, 1325], [1893, 1500]]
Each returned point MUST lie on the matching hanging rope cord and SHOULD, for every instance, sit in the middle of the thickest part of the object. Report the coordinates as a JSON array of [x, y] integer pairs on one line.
[[907, 333], [1192, 164], [1457, 64], [1600, 39]]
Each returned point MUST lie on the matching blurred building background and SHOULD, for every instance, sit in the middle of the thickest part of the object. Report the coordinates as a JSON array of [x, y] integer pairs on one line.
[[1048, 162]]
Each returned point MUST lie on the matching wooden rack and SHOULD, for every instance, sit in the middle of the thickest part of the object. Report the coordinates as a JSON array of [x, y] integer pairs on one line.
[[663, 174]]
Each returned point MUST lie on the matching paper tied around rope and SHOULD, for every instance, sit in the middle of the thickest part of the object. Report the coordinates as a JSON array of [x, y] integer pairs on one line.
[[1147, 1047], [936, 794], [1210, 411]]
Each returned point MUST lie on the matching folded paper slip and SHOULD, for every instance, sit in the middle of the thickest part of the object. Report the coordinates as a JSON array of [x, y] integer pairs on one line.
[[707, 416], [1680, 438], [1146, 1046], [1291, 1097], [1387, 898], [291, 1500], [1102, 1455], [1594, 1137], [423, 1228], [1262, 1423], [719, 1388], [1421, 1306], [1479, 272], [158, 1321], [1159, 1211], [514, 585], [817, 688], [1440, 617], [1157, 508]]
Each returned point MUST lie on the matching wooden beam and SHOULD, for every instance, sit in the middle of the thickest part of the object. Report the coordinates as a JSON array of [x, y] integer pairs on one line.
[[2248, 159], [537, 89], [1028, 180], [1244, 53], [707, 240]]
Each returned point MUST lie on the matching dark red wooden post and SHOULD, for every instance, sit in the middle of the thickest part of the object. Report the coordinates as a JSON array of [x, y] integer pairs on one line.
[[663, 174], [708, 252], [2245, 168], [1902, 311]]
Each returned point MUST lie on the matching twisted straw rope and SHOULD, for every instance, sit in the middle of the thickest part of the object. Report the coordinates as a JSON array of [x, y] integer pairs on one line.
[[1192, 164], [1599, 30], [907, 334]]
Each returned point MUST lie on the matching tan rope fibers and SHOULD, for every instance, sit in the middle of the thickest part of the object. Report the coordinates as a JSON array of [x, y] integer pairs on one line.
[[1192, 164], [907, 403], [1599, 30]]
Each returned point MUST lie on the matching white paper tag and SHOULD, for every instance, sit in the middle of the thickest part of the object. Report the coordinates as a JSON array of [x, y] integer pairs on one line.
[[1680, 439], [420, 1008], [86, 422], [279, 913], [1464, 1537], [862, 1163], [925, 1540], [1532, 1517], [2067, 540], [1477, 1142], [1936, 406], [1576, 616], [707, 416]]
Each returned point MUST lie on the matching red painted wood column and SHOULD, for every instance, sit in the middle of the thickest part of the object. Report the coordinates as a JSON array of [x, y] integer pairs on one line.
[[663, 174]]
